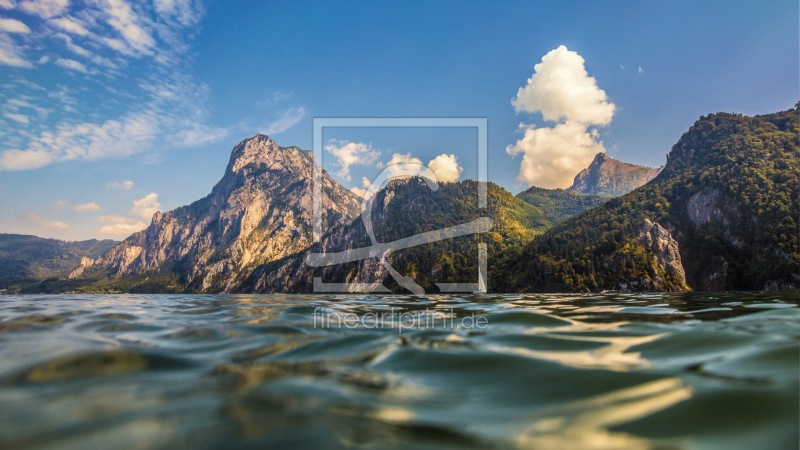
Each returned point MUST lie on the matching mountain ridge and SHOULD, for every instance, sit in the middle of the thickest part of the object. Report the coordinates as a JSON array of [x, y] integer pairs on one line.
[[727, 199], [608, 177]]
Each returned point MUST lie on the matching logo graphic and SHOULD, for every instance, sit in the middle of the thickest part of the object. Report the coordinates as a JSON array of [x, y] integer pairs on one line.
[[382, 250]]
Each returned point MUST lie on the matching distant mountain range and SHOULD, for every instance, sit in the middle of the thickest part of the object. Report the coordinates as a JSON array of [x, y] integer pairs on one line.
[[721, 215], [24, 259], [608, 177]]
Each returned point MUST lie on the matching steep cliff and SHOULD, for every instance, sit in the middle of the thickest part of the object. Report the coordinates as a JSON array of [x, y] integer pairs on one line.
[[727, 197], [608, 177], [260, 211]]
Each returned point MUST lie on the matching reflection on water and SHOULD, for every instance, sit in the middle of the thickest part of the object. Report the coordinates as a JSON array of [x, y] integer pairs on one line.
[[548, 372]]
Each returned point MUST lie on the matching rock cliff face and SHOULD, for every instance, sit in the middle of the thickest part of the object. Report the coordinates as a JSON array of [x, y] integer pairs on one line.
[[611, 178], [666, 274], [259, 212]]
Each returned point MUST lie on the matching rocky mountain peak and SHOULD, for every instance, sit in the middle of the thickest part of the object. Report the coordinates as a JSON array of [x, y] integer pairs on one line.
[[260, 211], [609, 177]]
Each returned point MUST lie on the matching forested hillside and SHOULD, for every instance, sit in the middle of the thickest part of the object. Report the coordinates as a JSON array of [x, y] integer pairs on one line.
[[29, 259], [558, 205], [728, 197]]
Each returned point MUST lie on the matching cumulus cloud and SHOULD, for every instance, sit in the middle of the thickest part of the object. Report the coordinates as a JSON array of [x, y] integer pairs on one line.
[[7, 4], [120, 226], [446, 168], [361, 191], [350, 153], [147, 206], [126, 185], [42, 222], [287, 120], [553, 156], [563, 92], [561, 88]]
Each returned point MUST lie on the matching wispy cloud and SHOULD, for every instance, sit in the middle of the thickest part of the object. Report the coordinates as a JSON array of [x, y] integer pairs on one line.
[[287, 120], [42, 222], [17, 117], [71, 64], [165, 109], [86, 207], [120, 226]]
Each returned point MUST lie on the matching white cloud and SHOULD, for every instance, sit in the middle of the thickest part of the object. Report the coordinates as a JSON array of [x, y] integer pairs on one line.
[[42, 222], [71, 25], [553, 156], [640, 70], [126, 185], [10, 53], [446, 168], [562, 90], [287, 120], [171, 113], [20, 160], [73, 65], [199, 134], [187, 12], [359, 191], [86, 207], [273, 98], [399, 158], [13, 26], [120, 16], [113, 138], [349, 153], [120, 226], [147, 206], [17, 117], [44, 8]]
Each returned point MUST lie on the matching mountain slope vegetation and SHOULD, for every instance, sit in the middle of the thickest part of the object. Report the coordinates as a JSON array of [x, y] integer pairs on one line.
[[728, 196], [558, 205], [26, 260]]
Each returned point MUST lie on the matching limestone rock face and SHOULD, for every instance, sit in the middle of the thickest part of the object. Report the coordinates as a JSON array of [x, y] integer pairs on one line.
[[260, 211], [78, 271], [664, 248], [611, 178], [666, 273]]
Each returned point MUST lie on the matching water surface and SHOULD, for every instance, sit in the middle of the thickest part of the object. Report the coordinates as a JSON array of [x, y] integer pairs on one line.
[[673, 371]]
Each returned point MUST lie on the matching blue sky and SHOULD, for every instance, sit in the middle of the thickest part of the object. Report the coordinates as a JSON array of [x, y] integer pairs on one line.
[[98, 93]]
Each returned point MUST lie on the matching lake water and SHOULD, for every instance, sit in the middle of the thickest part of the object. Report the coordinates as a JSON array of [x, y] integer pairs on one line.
[[673, 371]]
